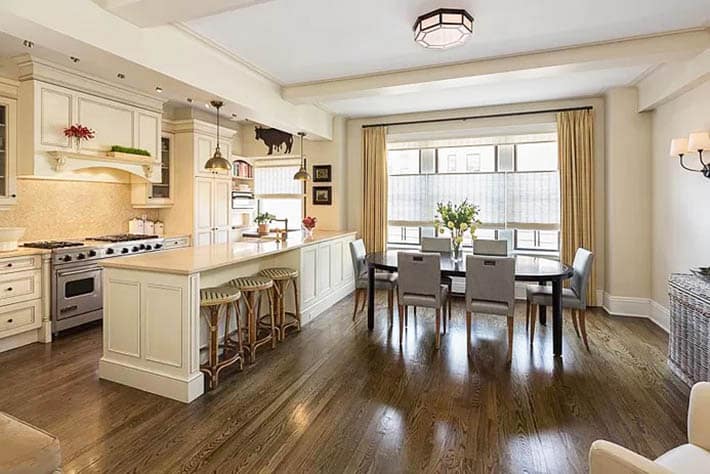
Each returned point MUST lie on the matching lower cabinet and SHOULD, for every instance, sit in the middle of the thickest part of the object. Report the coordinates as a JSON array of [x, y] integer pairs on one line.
[[326, 275]]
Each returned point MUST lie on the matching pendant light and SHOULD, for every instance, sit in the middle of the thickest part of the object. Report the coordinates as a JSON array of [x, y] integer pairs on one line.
[[217, 163], [302, 174]]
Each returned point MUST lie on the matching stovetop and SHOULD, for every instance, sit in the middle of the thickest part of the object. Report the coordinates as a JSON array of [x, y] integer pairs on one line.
[[95, 248], [51, 244], [122, 237]]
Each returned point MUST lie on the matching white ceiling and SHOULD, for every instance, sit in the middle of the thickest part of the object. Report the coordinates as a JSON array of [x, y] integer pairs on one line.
[[297, 41], [562, 86]]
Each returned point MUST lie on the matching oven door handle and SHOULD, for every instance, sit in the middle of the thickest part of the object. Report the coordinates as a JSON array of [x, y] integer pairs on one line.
[[63, 273]]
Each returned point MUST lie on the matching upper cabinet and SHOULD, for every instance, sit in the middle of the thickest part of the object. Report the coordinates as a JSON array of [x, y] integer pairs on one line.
[[8, 196], [53, 98], [161, 194]]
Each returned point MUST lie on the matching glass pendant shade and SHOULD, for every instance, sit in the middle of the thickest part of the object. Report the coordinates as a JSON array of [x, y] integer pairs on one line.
[[443, 28], [302, 173], [217, 163]]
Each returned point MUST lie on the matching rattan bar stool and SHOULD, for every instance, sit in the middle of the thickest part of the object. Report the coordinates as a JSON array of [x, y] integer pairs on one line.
[[254, 288], [284, 278], [214, 300]]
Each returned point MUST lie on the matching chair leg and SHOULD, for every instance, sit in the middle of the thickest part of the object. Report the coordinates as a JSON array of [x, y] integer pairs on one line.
[[402, 314], [445, 316], [511, 326], [533, 320], [448, 297], [356, 297], [468, 331], [390, 305], [438, 328], [527, 315], [583, 326], [364, 300], [406, 315], [574, 321]]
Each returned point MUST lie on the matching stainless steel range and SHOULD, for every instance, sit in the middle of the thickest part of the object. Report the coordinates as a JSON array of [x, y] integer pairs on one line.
[[76, 274]]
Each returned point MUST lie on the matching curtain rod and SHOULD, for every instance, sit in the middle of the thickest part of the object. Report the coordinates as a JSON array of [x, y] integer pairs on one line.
[[472, 117]]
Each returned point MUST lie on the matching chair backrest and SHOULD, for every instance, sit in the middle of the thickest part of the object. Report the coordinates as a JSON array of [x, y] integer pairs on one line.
[[490, 279], [357, 253], [419, 278], [582, 267], [496, 248], [436, 244]]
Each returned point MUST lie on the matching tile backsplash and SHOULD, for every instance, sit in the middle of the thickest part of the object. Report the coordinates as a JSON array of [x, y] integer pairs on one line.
[[71, 209]]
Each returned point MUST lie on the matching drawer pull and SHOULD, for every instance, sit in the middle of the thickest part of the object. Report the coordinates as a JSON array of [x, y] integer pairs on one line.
[[9, 288], [10, 320], [9, 265]]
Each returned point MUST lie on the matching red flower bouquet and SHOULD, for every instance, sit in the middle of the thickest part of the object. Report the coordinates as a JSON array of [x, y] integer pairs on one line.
[[309, 223], [79, 133]]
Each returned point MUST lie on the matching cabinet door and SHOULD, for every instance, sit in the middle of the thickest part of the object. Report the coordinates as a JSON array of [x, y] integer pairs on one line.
[[203, 211], [322, 269], [336, 264], [204, 148], [7, 152], [308, 276], [221, 204]]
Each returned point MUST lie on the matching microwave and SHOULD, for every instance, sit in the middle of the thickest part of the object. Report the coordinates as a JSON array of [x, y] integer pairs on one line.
[[243, 200]]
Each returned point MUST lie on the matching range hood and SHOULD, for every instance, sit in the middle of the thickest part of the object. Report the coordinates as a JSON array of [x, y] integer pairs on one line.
[[53, 97]]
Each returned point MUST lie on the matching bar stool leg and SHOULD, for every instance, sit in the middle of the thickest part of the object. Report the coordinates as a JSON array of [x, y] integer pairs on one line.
[[272, 319], [251, 325], [297, 304]]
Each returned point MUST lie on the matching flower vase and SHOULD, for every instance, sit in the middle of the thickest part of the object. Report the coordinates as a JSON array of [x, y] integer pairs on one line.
[[456, 251], [78, 144], [308, 232]]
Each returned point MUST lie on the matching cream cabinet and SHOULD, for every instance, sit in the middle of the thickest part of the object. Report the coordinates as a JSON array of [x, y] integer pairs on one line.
[[212, 210], [161, 194], [204, 149], [326, 274], [8, 158]]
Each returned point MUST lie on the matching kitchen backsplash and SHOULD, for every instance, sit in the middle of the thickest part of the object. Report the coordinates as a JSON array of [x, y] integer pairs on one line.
[[71, 209]]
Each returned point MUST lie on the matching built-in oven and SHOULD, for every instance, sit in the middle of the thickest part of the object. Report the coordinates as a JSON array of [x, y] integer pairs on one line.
[[243, 200], [77, 296]]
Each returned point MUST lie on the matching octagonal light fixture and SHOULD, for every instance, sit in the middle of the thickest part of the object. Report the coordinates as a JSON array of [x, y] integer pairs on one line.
[[443, 28]]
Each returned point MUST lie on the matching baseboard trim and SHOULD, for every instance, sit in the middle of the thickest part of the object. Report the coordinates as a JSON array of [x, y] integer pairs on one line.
[[637, 308]]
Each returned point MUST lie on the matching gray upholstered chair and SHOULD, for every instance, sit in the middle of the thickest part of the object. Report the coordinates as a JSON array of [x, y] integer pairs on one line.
[[490, 289], [439, 245], [574, 297], [494, 248], [420, 285], [383, 280]]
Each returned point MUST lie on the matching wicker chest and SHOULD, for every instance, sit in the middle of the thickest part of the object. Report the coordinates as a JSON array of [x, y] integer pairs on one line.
[[688, 345]]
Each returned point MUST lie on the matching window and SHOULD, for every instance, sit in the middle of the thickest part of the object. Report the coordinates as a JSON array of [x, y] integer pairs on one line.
[[278, 193], [516, 186]]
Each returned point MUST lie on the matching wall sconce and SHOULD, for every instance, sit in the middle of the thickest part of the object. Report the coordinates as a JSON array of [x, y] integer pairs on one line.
[[696, 142]]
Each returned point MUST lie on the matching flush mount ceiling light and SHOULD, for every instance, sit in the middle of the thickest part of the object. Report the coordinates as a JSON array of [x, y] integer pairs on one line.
[[443, 28]]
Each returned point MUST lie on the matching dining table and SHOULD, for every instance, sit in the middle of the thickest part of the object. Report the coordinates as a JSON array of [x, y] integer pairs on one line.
[[527, 268]]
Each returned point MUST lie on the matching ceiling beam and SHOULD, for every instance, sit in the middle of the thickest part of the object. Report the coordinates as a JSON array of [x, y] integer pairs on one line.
[[631, 52], [148, 13]]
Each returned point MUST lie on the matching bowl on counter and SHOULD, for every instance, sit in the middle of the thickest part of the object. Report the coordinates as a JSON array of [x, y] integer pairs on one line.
[[9, 236], [701, 272]]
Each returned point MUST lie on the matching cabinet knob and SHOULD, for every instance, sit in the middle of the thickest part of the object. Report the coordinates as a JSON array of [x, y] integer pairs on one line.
[[13, 195], [9, 265], [10, 320], [9, 288], [150, 197]]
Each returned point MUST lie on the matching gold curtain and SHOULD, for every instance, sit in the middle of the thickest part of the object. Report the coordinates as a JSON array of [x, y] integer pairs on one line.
[[575, 141], [374, 167]]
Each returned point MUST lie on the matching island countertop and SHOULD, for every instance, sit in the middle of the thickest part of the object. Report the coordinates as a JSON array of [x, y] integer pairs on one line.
[[189, 260]]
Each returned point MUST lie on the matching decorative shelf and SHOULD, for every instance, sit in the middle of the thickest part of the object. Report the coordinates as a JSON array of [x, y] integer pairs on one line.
[[71, 160]]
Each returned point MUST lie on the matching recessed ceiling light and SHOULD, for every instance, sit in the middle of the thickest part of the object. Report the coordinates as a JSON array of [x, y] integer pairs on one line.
[[120, 75], [234, 116], [443, 28], [189, 100], [74, 59], [158, 89], [28, 44]]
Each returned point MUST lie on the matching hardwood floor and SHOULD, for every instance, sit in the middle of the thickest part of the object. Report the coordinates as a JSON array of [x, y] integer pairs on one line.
[[336, 398]]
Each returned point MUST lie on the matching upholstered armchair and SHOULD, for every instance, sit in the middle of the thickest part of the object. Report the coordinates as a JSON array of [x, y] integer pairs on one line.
[[690, 458]]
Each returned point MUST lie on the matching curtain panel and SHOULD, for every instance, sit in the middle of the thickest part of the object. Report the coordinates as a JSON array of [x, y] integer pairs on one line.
[[374, 211], [575, 138]]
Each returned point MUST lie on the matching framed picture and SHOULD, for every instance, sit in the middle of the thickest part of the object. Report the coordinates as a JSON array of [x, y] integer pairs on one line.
[[322, 173], [322, 195]]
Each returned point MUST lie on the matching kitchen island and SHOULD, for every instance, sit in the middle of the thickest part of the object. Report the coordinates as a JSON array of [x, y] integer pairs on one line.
[[153, 333]]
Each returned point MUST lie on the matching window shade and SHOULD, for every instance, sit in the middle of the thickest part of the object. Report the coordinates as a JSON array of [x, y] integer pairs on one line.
[[520, 200], [276, 181]]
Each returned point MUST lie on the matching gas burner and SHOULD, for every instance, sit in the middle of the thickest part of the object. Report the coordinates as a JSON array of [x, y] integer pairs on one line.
[[51, 244], [123, 237]]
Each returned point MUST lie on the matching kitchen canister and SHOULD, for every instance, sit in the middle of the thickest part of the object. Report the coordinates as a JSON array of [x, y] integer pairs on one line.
[[159, 228], [136, 226]]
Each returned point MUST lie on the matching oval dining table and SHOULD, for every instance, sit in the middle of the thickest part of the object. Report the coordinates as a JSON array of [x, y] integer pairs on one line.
[[533, 269]]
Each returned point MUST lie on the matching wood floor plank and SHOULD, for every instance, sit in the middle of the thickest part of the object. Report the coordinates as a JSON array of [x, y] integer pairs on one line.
[[337, 398]]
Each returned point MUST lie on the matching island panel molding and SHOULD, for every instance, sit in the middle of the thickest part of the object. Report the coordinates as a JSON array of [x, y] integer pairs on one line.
[[153, 332]]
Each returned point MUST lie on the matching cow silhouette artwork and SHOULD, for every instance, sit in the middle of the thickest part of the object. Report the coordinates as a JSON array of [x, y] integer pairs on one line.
[[275, 139]]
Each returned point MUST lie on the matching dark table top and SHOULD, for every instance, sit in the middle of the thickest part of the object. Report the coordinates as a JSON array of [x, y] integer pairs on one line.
[[526, 268]]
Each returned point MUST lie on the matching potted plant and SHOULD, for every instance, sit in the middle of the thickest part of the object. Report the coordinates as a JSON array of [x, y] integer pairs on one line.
[[458, 219], [309, 223], [263, 220]]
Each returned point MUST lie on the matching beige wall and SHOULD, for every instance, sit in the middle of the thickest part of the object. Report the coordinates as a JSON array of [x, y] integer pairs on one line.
[[628, 196], [512, 124], [680, 223], [331, 152], [70, 209]]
